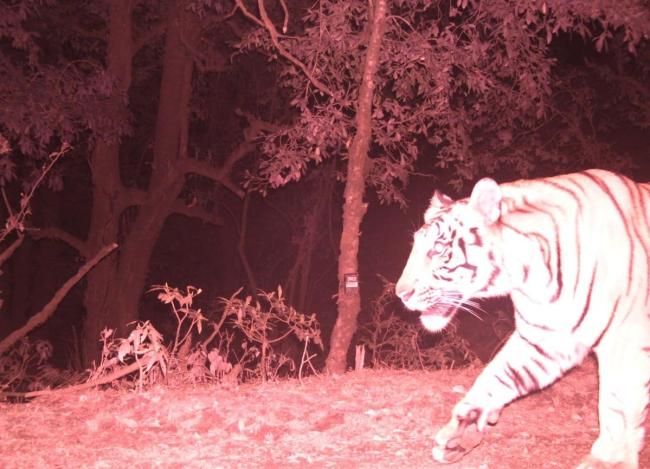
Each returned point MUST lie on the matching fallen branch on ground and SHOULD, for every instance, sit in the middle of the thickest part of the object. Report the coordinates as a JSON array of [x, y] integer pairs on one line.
[[89, 384]]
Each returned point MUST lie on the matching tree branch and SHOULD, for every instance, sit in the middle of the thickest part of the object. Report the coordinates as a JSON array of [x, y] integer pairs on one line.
[[7, 253], [221, 173], [217, 173], [197, 212], [267, 24], [47, 311], [52, 232]]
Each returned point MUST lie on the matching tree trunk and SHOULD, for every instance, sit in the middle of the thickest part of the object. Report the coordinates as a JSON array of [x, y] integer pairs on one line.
[[115, 288], [300, 277], [354, 208], [105, 173]]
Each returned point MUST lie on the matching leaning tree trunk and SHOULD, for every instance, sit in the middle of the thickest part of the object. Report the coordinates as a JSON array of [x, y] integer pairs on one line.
[[354, 208], [115, 289]]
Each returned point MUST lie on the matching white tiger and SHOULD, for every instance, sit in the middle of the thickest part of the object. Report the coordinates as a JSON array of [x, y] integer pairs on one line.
[[573, 252]]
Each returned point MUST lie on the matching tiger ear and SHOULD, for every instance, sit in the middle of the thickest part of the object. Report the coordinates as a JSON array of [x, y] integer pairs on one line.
[[486, 199], [438, 201]]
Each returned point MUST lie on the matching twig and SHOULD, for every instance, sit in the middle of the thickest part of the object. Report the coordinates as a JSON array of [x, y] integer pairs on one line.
[[267, 24], [7, 253]]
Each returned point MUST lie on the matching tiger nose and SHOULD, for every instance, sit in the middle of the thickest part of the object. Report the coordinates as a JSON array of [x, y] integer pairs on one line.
[[404, 292]]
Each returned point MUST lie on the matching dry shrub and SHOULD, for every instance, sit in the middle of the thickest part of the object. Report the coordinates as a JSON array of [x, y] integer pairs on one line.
[[259, 328], [394, 342], [267, 324], [25, 367], [202, 350]]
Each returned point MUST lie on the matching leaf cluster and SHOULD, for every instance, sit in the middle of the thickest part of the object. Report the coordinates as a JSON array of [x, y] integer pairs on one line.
[[470, 81], [53, 85]]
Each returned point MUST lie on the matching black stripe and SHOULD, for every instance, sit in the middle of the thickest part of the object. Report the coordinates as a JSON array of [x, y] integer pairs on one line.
[[478, 241], [585, 309], [517, 379], [560, 187], [579, 198], [605, 188], [639, 199], [609, 323], [504, 383], [532, 378], [538, 326], [558, 271], [537, 348], [540, 365]]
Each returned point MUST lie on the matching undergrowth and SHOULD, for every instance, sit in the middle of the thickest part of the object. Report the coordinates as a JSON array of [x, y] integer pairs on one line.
[[394, 342], [244, 339]]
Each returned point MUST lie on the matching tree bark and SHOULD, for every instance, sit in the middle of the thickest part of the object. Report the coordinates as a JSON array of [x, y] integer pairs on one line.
[[300, 278], [105, 174], [114, 290], [354, 208]]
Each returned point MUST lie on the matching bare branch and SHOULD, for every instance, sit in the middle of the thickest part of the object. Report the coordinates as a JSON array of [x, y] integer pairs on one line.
[[285, 23], [7, 253], [47, 311], [221, 173], [52, 232], [197, 212], [16, 221], [248, 14], [267, 24]]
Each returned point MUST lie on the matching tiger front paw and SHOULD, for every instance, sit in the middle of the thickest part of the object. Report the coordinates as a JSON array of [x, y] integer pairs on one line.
[[591, 462], [458, 437]]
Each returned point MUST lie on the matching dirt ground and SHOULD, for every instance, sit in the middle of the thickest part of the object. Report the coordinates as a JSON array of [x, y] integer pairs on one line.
[[367, 419]]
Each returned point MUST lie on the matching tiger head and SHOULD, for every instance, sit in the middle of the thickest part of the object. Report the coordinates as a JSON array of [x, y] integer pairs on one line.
[[455, 256]]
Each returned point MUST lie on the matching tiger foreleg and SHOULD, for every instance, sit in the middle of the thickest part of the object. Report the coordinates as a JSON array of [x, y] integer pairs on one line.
[[519, 368], [461, 434]]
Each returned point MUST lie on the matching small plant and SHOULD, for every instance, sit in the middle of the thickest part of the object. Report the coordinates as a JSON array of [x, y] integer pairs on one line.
[[192, 359], [143, 358], [143, 350], [21, 366], [268, 322], [393, 342]]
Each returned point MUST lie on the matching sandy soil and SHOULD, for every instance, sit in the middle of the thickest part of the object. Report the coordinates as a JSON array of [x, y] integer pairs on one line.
[[367, 419]]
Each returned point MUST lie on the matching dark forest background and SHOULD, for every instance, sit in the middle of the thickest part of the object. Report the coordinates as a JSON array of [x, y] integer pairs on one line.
[[210, 139]]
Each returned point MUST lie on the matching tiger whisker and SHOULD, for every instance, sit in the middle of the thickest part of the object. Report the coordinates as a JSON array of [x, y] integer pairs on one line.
[[470, 306]]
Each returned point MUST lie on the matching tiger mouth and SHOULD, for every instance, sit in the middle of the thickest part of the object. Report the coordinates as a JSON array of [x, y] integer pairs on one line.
[[444, 311]]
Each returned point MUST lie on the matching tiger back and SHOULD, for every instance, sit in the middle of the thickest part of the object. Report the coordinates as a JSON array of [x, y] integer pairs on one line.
[[573, 252]]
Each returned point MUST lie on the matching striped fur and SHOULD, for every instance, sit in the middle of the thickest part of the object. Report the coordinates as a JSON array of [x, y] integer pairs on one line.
[[573, 252]]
